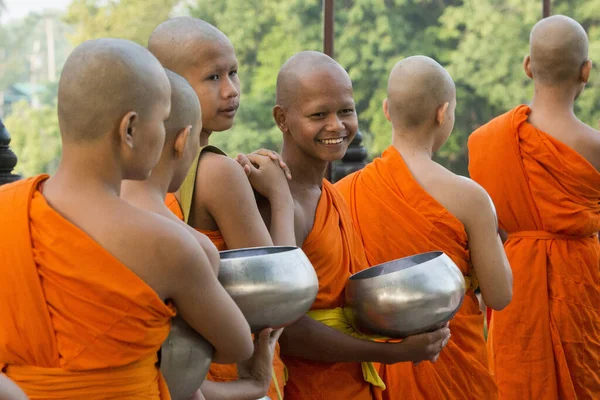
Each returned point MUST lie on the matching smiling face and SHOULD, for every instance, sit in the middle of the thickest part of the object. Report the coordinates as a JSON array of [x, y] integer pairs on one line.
[[215, 81], [320, 119]]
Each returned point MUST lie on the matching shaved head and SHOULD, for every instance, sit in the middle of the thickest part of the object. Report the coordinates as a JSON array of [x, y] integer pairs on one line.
[[185, 107], [103, 80], [303, 67], [417, 87], [176, 41], [559, 49]]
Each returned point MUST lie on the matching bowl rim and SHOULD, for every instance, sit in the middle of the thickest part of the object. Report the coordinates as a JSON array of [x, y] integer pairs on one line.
[[231, 253], [359, 276]]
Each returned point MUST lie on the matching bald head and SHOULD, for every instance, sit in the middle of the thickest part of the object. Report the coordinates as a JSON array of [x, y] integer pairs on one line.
[[185, 107], [176, 41], [303, 67], [417, 87], [103, 80], [559, 49]]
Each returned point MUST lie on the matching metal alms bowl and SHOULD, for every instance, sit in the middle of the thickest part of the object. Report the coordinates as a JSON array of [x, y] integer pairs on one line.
[[272, 286], [184, 359], [406, 296]]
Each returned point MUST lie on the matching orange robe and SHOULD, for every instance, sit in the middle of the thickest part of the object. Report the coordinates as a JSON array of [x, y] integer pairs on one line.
[[228, 372], [396, 218], [76, 322], [335, 251], [546, 343]]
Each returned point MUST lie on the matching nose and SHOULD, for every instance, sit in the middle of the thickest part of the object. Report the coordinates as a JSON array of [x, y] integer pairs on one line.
[[334, 124], [229, 89]]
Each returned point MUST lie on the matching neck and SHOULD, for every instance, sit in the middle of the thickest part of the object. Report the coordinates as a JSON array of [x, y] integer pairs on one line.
[[306, 171], [553, 101], [149, 194], [204, 135], [413, 143], [83, 169]]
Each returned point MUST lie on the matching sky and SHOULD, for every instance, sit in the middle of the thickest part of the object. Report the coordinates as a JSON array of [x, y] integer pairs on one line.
[[19, 8]]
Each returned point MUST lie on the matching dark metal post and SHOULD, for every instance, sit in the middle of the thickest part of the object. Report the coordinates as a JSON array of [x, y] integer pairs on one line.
[[8, 159], [328, 33], [546, 8]]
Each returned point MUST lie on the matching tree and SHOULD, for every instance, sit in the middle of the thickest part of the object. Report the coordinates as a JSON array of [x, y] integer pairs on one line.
[[126, 19], [35, 138]]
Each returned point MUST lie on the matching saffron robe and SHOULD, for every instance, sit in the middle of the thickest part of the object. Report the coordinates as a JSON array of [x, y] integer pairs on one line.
[[546, 343], [397, 218], [76, 322]]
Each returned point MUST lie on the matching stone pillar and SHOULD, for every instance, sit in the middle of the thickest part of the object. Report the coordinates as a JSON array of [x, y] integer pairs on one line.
[[8, 159], [355, 159]]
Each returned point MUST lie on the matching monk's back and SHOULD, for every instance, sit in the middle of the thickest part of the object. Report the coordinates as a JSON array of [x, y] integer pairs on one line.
[[572, 132]]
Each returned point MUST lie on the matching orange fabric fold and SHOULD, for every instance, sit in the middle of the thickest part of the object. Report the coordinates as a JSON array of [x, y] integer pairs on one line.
[[228, 372], [335, 252], [546, 343], [396, 218], [76, 322]]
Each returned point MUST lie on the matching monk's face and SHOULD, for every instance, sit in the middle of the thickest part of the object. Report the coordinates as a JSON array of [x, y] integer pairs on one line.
[[150, 132], [321, 119], [216, 82]]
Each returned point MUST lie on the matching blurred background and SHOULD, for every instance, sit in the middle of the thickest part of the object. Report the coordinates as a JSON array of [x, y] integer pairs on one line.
[[481, 42]]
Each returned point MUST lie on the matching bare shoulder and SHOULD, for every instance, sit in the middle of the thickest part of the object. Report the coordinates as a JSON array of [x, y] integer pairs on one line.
[[220, 174], [154, 247], [463, 197], [209, 248], [589, 145]]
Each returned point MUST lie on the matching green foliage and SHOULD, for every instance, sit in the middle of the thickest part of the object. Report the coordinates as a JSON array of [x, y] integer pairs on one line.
[[127, 19], [481, 42], [35, 138]]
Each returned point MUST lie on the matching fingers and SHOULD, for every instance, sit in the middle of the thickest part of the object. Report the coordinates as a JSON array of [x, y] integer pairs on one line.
[[277, 158], [245, 162], [275, 335]]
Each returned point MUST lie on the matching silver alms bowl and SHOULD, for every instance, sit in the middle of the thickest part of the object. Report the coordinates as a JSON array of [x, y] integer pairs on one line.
[[407, 296], [185, 360], [273, 286]]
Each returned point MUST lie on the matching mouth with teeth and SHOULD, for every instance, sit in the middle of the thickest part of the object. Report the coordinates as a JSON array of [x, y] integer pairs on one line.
[[331, 141]]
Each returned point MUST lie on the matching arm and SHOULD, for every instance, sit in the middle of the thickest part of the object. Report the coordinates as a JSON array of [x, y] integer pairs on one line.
[[487, 252], [312, 340], [268, 178], [225, 193], [210, 311], [241, 389], [254, 374]]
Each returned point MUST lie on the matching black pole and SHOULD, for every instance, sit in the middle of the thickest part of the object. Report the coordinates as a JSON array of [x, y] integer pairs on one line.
[[546, 8]]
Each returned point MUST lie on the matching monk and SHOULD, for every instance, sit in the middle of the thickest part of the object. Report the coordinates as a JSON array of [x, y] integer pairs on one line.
[[90, 282], [182, 143], [543, 175], [225, 208], [316, 113], [404, 203]]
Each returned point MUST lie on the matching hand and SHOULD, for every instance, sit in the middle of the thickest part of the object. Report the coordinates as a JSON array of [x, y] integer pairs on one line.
[[265, 175], [273, 155], [260, 366], [417, 348]]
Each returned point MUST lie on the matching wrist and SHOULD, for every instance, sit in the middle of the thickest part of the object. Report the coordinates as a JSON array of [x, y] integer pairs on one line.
[[256, 387], [281, 199]]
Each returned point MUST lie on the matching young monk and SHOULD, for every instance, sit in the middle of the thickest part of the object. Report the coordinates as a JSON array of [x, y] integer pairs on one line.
[[543, 175], [225, 209], [404, 203], [86, 276], [182, 143], [315, 111]]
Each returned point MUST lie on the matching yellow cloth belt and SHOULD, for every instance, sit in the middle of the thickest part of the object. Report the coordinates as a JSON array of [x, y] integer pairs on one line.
[[340, 320]]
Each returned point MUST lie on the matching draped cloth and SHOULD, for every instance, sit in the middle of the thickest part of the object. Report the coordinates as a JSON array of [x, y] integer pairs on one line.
[[546, 343]]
